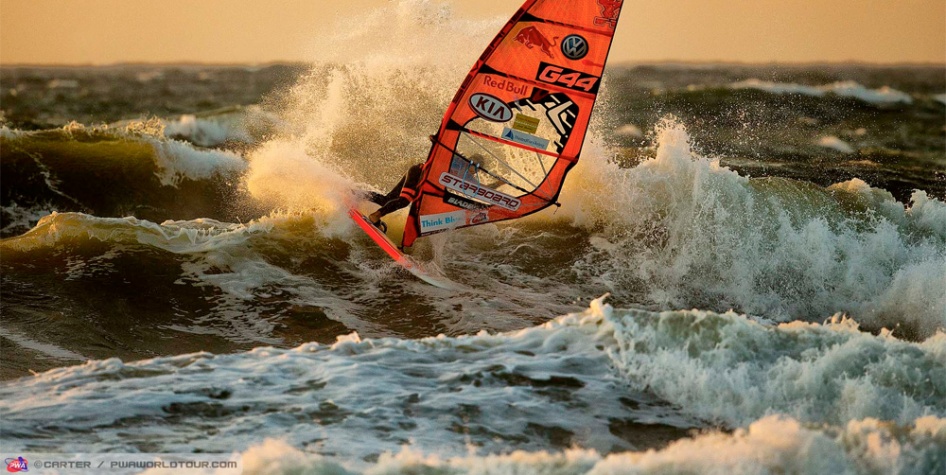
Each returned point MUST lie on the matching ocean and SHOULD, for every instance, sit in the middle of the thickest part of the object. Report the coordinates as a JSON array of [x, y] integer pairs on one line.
[[746, 274]]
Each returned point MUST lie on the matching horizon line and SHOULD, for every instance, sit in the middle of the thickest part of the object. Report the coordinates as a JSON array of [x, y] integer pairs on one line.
[[614, 63]]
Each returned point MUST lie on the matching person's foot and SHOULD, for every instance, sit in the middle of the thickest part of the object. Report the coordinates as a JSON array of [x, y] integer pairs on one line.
[[375, 219]]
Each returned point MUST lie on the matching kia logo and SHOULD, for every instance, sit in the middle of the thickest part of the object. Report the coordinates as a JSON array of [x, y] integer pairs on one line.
[[490, 107]]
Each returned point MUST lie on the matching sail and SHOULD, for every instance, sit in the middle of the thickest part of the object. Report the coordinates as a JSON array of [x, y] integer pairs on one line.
[[516, 125]]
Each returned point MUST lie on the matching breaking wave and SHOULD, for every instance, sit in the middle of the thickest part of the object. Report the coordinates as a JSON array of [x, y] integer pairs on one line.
[[771, 444], [133, 170], [883, 96], [687, 232], [676, 231], [572, 382]]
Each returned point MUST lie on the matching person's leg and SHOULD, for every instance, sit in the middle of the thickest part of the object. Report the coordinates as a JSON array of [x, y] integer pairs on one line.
[[375, 197], [394, 193], [381, 200], [393, 205], [388, 208]]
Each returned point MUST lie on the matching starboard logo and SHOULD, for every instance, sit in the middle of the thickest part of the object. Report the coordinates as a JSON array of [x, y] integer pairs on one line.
[[15, 465], [474, 190], [569, 78], [490, 107], [574, 47]]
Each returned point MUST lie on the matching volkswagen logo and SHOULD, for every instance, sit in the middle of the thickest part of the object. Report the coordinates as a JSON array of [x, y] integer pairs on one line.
[[574, 47]]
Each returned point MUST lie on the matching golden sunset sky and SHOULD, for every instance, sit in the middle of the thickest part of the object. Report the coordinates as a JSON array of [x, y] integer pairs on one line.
[[257, 31]]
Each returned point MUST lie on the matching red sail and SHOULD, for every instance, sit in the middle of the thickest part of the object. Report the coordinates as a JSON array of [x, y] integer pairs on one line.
[[517, 123]]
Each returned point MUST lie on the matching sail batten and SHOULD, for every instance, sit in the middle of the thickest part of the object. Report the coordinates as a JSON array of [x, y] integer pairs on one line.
[[529, 97]]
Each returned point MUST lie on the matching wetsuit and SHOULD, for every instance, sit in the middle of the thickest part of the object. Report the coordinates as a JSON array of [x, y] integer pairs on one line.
[[401, 195]]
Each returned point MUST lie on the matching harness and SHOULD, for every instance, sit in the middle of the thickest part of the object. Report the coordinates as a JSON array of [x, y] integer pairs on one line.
[[408, 194], [409, 189]]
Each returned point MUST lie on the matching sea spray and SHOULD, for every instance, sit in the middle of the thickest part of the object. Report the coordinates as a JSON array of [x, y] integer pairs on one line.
[[368, 112], [283, 175]]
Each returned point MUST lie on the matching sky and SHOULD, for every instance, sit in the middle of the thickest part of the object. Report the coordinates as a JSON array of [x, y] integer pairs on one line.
[[254, 31]]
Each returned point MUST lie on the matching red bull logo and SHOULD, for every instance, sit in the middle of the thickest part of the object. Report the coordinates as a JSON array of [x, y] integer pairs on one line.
[[507, 85], [609, 13], [531, 36]]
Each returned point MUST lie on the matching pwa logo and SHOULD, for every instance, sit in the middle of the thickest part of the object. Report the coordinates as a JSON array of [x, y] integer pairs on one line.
[[490, 107], [16, 465]]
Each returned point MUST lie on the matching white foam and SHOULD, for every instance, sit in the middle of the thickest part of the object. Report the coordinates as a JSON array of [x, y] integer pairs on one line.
[[770, 445], [177, 160], [199, 235], [928, 213], [359, 398], [203, 132], [238, 124], [629, 130], [777, 444], [834, 143], [62, 84], [882, 96], [356, 397], [728, 369], [778, 88], [8, 133], [941, 98], [45, 349], [685, 232], [220, 256]]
